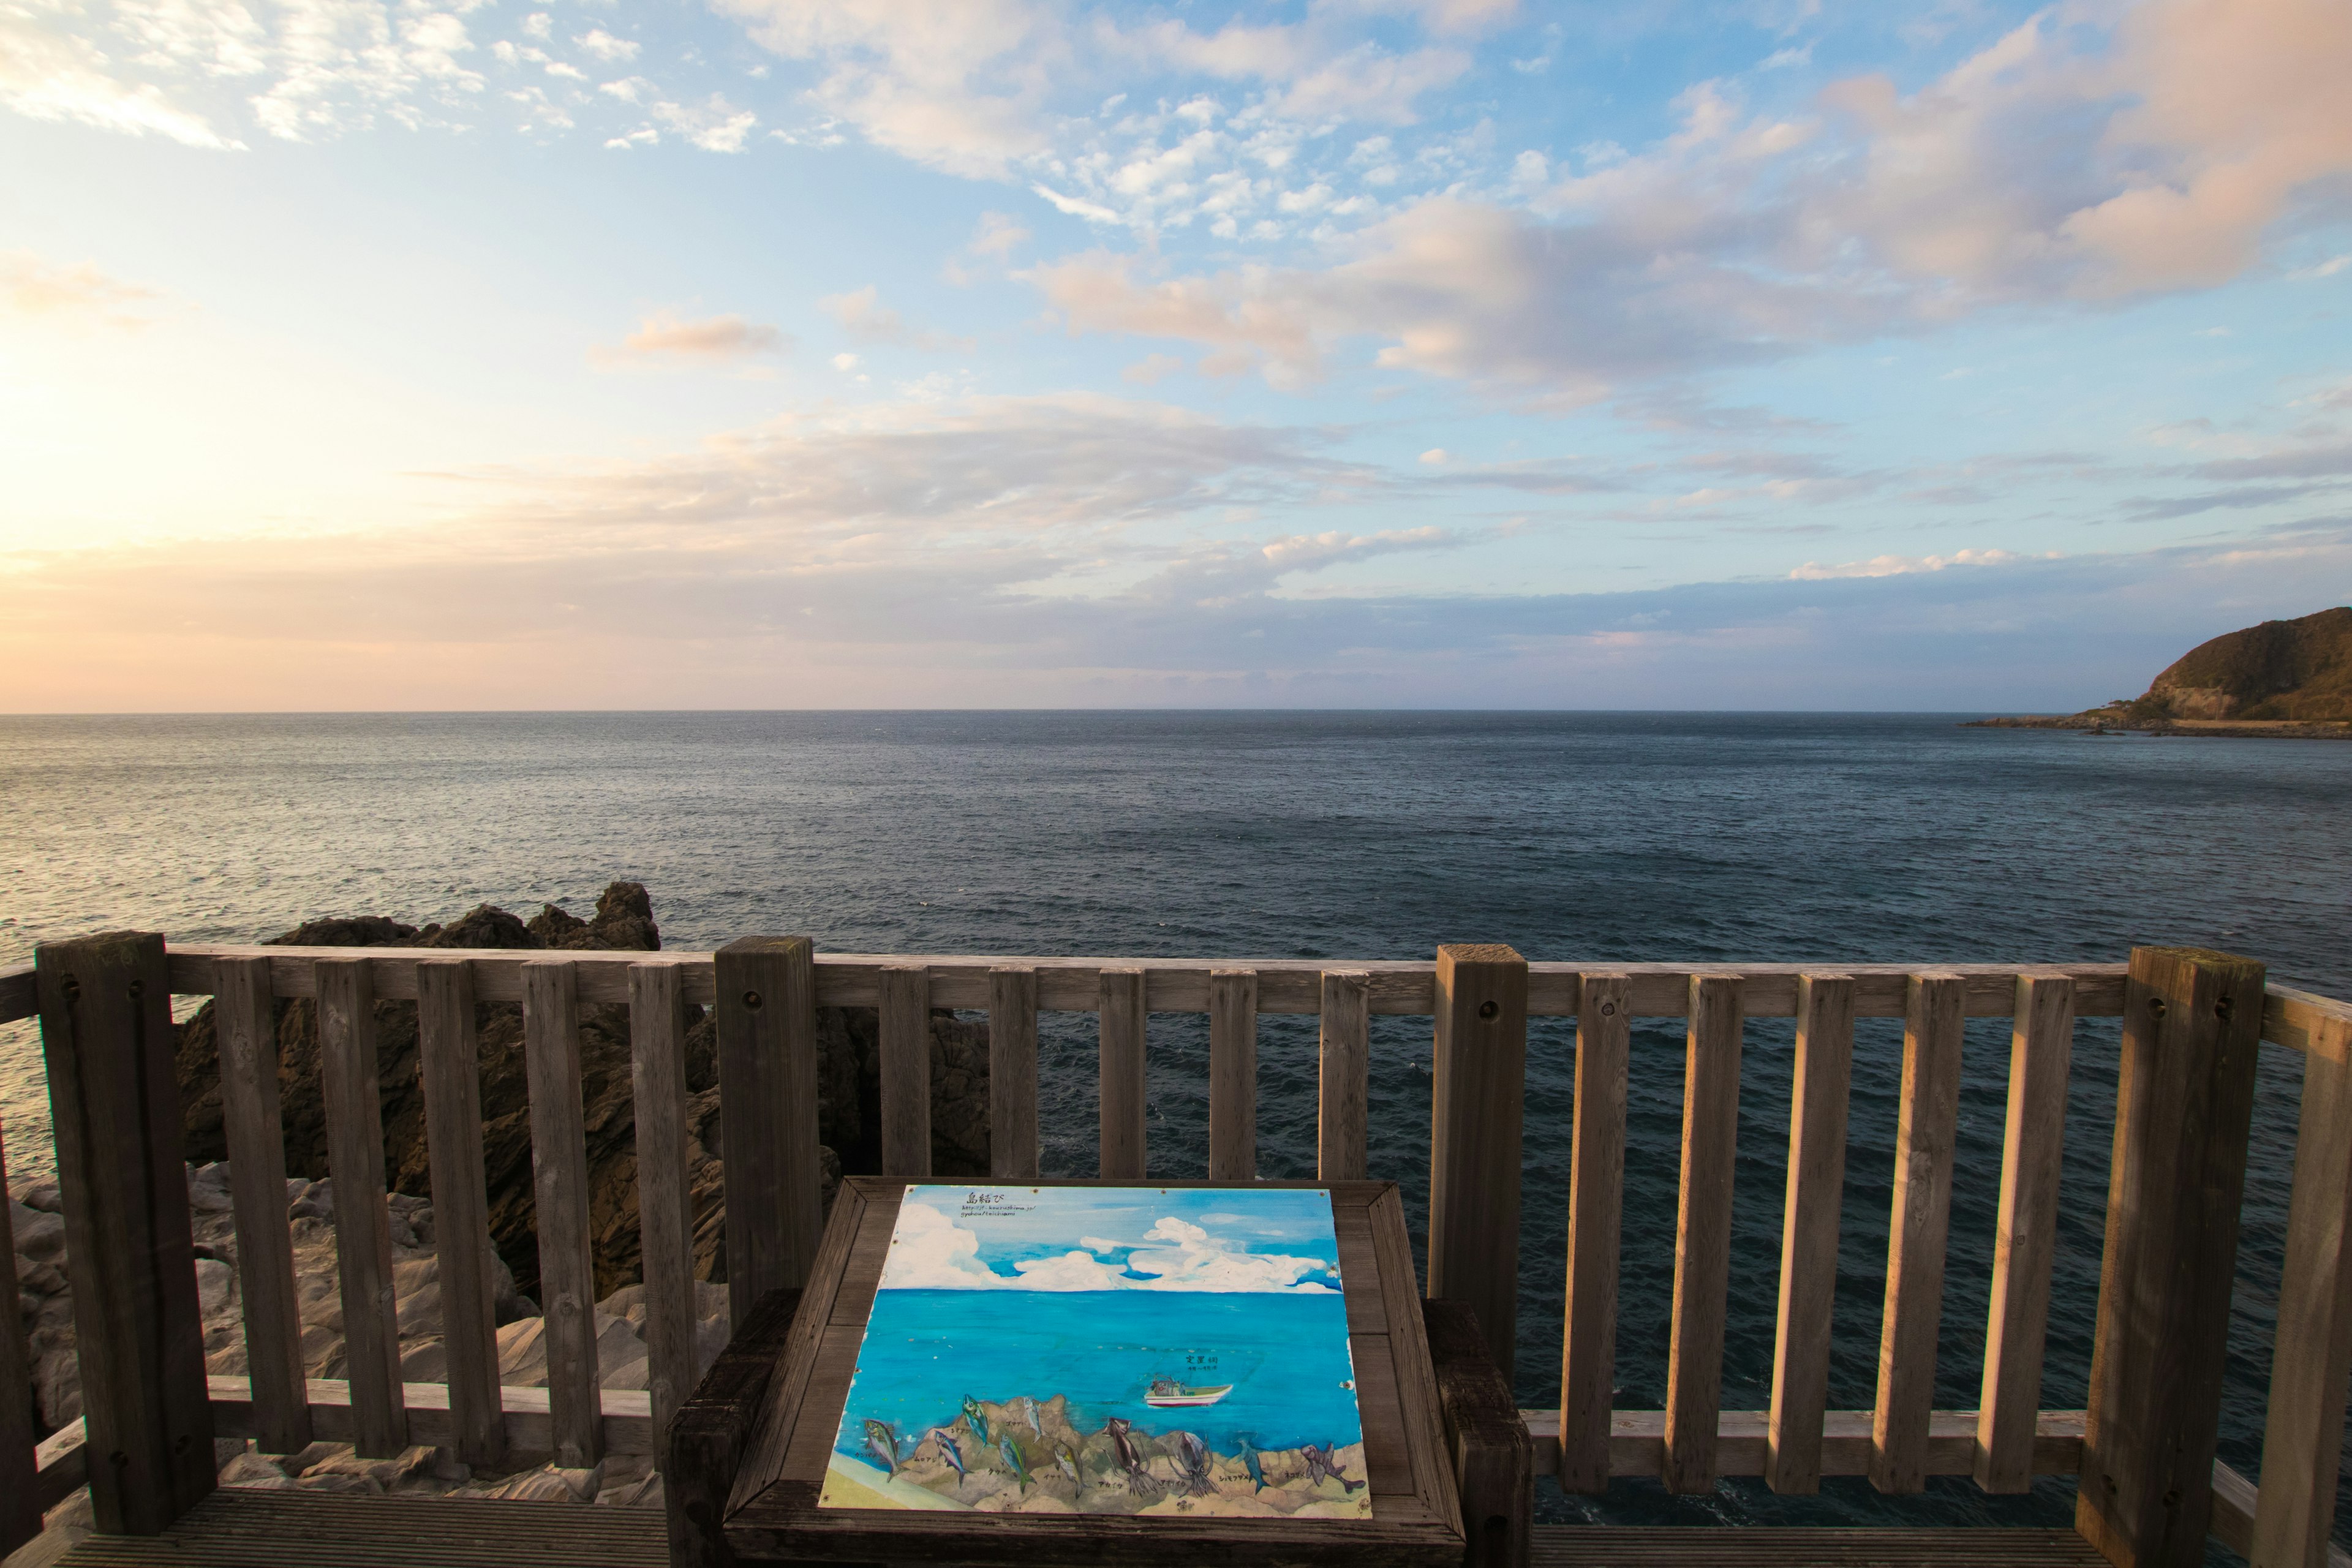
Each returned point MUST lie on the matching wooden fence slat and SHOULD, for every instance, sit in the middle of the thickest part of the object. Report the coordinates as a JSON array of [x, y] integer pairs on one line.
[[447, 1052], [658, 1029], [2184, 1118], [1809, 1231], [244, 1022], [1703, 1234], [904, 1048], [559, 1171], [1121, 1068], [1232, 1075], [1012, 1070], [2040, 1057], [765, 1015], [107, 1043], [20, 1464], [2303, 1435], [1596, 1203], [1926, 1127], [1477, 1116], [1344, 1056], [350, 1086]]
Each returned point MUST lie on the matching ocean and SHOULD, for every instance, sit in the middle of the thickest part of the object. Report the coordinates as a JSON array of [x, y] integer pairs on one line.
[[1626, 836]]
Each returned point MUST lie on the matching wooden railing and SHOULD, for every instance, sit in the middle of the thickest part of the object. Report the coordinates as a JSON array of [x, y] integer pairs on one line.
[[2191, 1021]]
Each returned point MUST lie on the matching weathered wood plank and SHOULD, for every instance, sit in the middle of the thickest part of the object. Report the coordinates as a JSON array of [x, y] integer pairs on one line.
[[657, 1028], [1479, 1098], [1121, 1070], [350, 1087], [1406, 987], [2303, 1435], [559, 1185], [1703, 1234], [904, 1048], [246, 1527], [529, 1415], [19, 997], [2040, 1059], [1493, 1461], [1802, 1546], [1012, 1070], [447, 1048], [765, 1015], [1926, 1130], [1343, 1091], [1743, 1442], [2306, 1021], [1232, 1075], [1596, 1203], [2184, 1110], [707, 1446], [1809, 1231], [20, 1464], [245, 1024], [107, 1043]]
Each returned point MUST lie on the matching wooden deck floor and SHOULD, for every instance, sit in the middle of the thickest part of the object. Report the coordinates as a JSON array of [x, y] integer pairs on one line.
[[237, 1528]]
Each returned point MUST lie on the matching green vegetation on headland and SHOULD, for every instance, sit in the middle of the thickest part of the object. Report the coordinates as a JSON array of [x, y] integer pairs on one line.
[[2290, 679]]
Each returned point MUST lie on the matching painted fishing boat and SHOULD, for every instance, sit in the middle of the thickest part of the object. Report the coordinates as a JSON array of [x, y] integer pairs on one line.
[[1166, 1392]]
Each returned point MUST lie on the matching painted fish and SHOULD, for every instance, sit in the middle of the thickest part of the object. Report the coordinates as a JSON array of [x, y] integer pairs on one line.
[[1012, 1458], [1130, 1457], [1322, 1466], [1066, 1462], [948, 1446], [978, 1418], [1193, 1456], [1250, 1462], [883, 1442], [1025, 1407]]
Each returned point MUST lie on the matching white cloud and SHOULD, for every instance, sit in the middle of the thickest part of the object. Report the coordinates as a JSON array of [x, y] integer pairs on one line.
[[76, 296], [47, 75], [714, 126], [1098, 1243], [1902, 565], [666, 336], [930, 1251], [607, 47], [864, 316]]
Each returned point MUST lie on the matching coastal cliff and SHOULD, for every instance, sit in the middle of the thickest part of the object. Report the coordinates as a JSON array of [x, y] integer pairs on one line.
[[2278, 678]]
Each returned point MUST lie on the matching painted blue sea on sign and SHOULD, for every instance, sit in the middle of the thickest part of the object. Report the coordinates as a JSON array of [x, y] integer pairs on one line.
[[1149, 1351]]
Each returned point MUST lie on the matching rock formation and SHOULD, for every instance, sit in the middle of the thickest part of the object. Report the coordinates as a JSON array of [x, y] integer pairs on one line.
[[849, 1093], [2279, 669]]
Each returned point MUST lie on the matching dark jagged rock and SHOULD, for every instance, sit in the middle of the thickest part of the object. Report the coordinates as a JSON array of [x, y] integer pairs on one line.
[[847, 1101]]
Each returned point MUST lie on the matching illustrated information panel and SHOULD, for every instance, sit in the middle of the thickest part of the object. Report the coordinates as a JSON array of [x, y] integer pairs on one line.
[[1144, 1351]]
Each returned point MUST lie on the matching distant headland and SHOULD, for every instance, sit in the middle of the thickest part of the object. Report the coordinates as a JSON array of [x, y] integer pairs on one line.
[[2290, 679]]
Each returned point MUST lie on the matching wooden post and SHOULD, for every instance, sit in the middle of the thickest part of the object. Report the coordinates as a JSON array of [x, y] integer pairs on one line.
[[1809, 1231], [2303, 1437], [114, 1105], [245, 1021], [1478, 1107], [1703, 1234], [2184, 1109], [665, 1206], [904, 1047], [1232, 1075], [1494, 1459], [559, 1184], [2040, 1059], [766, 1022], [1927, 1121], [1012, 1070], [1120, 1068], [20, 1509], [447, 1052], [350, 1088], [1344, 1057], [1596, 1204]]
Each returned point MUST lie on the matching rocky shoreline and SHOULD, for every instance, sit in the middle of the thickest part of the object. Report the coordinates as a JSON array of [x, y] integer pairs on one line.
[[849, 1124], [2106, 721]]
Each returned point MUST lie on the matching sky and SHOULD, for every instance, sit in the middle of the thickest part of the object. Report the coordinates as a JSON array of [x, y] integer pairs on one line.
[[1044, 1239], [365, 355]]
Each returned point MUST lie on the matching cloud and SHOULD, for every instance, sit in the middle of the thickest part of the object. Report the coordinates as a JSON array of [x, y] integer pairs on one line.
[[607, 47], [79, 295], [929, 1251], [1899, 565], [863, 315], [2043, 170], [714, 126], [45, 75], [713, 339]]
